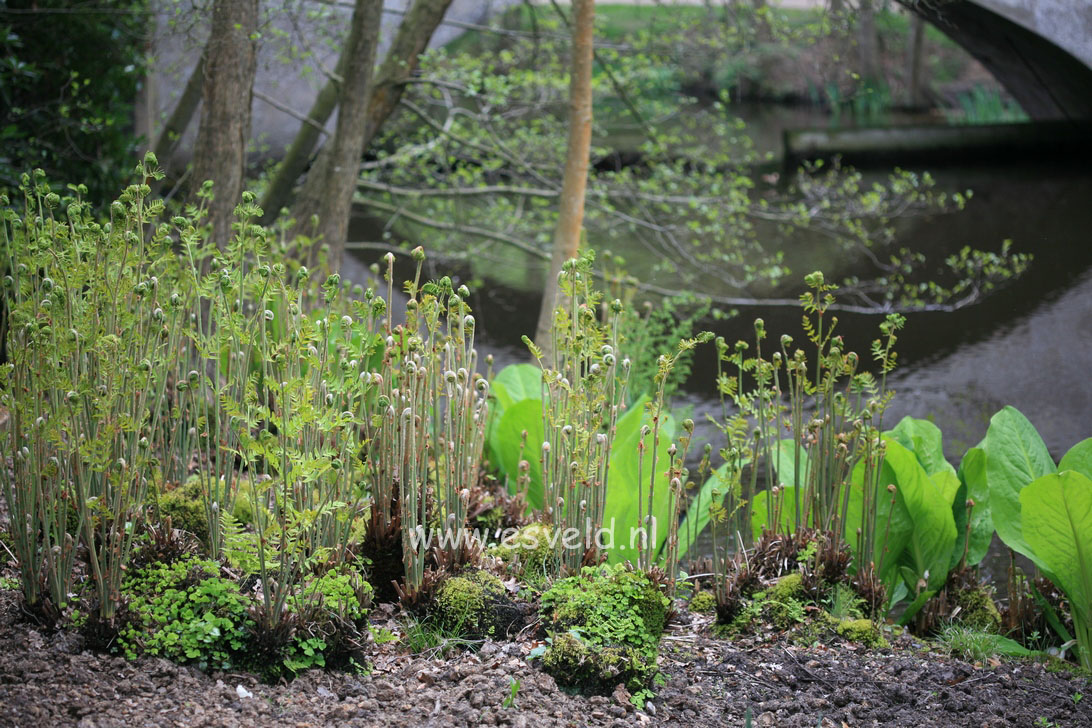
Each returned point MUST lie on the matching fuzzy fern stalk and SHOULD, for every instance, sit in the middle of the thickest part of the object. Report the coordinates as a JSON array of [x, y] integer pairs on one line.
[[827, 476], [676, 474], [91, 332], [431, 430], [583, 393]]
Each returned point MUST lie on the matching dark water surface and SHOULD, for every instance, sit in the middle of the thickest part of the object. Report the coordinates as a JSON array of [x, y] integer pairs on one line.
[[1028, 345]]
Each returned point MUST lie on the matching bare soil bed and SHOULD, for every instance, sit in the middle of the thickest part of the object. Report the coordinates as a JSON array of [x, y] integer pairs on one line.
[[51, 680]]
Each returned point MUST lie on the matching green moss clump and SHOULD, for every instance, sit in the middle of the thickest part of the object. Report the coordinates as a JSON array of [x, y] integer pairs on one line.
[[491, 516], [532, 545], [704, 602], [823, 627], [474, 605], [605, 625], [576, 663], [790, 586], [186, 507], [1057, 665], [783, 603], [977, 609], [863, 631]]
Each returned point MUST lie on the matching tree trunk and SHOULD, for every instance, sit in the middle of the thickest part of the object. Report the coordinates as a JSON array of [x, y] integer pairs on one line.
[[179, 120], [868, 43], [402, 59], [571, 215], [299, 151], [328, 190], [220, 151], [916, 91]]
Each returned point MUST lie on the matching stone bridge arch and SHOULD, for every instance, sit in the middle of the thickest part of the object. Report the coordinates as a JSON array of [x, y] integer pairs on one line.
[[1040, 50]]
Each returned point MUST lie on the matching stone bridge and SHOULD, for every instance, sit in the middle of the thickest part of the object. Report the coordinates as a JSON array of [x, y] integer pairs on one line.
[[1040, 50]]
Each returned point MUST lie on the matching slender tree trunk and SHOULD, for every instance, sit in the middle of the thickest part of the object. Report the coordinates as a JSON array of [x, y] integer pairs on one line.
[[916, 91], [571, 215], [179, 120], [868, 43], [328, 190], [220, 151], [402, 60], [295, 160]]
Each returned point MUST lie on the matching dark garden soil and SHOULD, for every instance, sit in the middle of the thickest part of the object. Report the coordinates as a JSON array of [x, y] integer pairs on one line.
[[50, 680]]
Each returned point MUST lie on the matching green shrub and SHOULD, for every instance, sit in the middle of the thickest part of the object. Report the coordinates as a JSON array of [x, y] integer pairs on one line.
[[605, 625], [184, 612]]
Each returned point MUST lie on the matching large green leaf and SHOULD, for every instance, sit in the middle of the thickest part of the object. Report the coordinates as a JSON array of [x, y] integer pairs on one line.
[[924, 439], [785, 463], [1057, 524], [624, 488], [1078, 458], [518, 382], [525, 415], [929, 547], [893, 523], [783, 458], [972, 476], [1015, 456], [514, 383], [760, 517]]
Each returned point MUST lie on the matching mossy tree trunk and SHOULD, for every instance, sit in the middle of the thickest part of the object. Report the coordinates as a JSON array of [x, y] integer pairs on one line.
[[916, 92], [868, 43]]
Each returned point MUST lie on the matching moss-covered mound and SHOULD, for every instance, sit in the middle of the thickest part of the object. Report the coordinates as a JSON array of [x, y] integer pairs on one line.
[[704, 602], [530, 552], [976, 609], [605, 625], [185, 506], [475, 605]]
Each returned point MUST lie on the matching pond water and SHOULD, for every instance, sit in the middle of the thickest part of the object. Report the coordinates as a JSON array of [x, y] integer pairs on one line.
[[1028, 345]]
